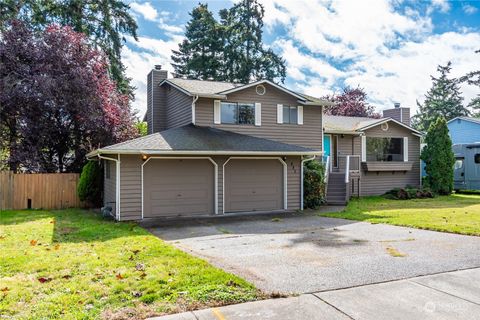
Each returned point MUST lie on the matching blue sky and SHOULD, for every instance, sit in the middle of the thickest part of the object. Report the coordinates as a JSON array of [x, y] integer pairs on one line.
[[388, 47]]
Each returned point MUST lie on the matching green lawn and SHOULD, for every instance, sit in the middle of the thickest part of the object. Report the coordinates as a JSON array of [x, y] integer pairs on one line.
[[459, 213], [72, 264]]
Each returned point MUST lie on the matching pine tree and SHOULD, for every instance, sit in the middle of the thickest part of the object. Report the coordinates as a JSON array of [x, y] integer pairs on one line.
[[473, 78], [245, 57], [229, 50], [442, 100], [199, 54], [439, 158]]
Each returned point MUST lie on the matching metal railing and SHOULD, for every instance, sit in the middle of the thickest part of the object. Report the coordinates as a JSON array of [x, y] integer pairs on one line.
[[327, 169]]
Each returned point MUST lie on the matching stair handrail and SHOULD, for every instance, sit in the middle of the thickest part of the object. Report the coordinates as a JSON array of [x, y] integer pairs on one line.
[[327, 170], [347, 169]]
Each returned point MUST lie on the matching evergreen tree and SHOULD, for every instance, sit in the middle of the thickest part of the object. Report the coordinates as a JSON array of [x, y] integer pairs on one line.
[[473, 78], [442, 100], [245, 58], [105, 22], [439, 158], [229, 50], [198, 55]]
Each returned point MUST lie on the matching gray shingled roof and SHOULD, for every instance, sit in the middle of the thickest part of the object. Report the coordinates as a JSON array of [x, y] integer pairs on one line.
[[202, 139], [203, 86], [207, 87], [346, 124]]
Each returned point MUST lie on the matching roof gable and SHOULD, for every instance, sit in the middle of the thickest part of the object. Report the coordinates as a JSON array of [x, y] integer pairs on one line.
[[356, 125], [469, 119], [219, 89]]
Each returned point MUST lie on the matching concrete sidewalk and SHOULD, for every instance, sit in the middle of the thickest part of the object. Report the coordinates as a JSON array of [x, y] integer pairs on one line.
[[450, 295]]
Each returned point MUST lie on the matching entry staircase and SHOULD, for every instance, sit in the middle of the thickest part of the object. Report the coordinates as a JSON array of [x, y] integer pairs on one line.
[[341, 178]]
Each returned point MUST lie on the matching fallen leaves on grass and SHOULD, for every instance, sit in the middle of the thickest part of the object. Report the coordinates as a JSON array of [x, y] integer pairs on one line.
[[57, 246], [33, 242], [119, 276], [5, 289], [43, 279]]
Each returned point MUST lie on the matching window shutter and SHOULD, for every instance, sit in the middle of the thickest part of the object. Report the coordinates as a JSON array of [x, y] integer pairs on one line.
[[216, 112], [300, 114], [405, 149], [364, 149], [258, 114], [279, 113]]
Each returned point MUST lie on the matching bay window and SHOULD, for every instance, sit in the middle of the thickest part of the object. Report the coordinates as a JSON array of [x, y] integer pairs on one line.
[[384, 149]]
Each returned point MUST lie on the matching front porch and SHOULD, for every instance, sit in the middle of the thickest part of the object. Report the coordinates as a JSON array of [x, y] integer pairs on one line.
[[342, 178]]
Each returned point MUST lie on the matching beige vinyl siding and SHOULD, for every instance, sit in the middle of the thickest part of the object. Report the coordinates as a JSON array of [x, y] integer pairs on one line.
[[178, 108], [377, 183], [110, 185], [130, 187], [293, 182], [308, 135]]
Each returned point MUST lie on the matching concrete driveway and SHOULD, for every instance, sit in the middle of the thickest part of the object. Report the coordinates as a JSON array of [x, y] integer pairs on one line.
[[300, 253]]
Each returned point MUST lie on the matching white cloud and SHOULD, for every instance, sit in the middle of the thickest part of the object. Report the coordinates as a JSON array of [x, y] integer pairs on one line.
[[441, 5], [468, 9], [389, 52], [140, 57], [145, 9]]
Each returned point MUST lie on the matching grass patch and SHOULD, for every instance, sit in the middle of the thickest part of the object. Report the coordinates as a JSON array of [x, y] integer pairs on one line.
[[458, 213], [395, 253], [223, 230], [72, 264]]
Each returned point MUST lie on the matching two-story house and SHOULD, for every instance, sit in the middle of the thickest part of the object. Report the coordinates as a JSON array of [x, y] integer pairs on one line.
[[217, 148]]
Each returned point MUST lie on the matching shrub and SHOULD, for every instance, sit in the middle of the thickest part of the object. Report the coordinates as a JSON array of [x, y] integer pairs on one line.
[[91, 184], [409, 193], [439, 158], [313, 184]]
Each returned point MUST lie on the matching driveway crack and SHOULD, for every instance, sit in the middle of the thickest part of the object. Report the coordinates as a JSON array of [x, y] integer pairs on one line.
[[448, 293], [331, 305]]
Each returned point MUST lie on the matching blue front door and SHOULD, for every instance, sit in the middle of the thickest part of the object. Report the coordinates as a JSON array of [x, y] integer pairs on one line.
[[326, 146]]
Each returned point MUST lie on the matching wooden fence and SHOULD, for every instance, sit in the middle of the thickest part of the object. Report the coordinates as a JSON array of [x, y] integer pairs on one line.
[[38, 190]]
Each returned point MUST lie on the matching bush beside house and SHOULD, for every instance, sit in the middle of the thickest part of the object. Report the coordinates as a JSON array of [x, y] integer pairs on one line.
[[90, 185], [313, 184]]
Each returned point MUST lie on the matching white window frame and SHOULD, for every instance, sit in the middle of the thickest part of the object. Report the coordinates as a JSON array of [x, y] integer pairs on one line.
[[238, 104]]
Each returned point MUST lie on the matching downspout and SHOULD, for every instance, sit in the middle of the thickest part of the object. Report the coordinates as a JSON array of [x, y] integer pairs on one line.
[[195, 98], [117, 184], [301, 179]]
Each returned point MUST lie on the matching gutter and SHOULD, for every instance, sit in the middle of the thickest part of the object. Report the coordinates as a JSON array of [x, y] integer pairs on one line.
[[117, 184], [204, 153], [195, 98], [301, 179]]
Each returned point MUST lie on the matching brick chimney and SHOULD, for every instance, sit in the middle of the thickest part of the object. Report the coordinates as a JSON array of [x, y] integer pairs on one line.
[[398, 113], [155, 100]]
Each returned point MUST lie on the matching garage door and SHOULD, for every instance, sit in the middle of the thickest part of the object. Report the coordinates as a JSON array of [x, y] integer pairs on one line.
[[253, 185], [178, 187]]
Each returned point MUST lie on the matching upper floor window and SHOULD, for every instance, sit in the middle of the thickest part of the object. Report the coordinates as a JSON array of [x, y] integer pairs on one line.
[[237, 113], [385, 149], [290, 115]]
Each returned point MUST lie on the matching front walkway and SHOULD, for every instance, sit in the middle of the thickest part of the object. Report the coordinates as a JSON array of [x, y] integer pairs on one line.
[[451, 295]]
